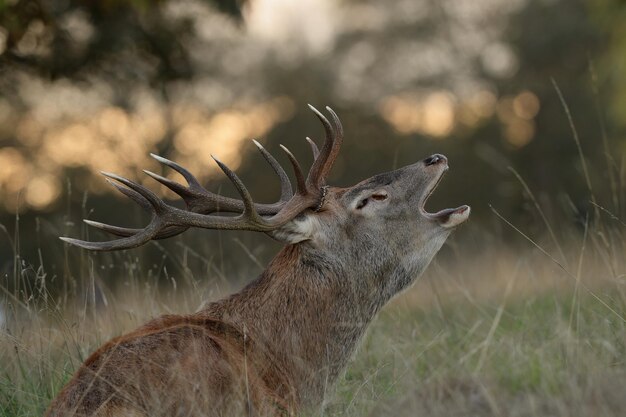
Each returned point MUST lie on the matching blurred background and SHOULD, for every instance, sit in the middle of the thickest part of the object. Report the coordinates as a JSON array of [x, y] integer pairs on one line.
[[522, 313], [526, 98]]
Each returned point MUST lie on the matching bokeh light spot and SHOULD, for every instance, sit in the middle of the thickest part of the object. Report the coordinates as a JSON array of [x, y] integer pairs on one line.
[[42, 191], [526, 105], [519, 132], [438, 115]]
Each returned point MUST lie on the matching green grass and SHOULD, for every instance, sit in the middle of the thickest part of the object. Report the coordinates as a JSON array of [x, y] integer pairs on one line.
[[550, 353], [458, 362]]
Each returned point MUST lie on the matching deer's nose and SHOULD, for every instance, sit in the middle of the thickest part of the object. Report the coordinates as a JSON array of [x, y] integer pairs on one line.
[[435, 159]]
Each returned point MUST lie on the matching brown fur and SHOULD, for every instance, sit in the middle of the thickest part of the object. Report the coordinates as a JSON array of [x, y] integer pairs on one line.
[[168, 354]]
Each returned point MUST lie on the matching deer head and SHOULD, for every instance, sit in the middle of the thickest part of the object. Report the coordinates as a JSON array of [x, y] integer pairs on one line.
[[381, 225]]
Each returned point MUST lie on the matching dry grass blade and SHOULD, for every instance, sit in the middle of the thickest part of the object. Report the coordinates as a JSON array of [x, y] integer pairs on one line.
[[541, 213], [610, 214], [559, 264], [610, 162], [578, 145]]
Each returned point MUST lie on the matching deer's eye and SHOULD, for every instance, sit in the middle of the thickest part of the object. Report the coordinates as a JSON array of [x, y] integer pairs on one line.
[[361, 204], [379, 196]]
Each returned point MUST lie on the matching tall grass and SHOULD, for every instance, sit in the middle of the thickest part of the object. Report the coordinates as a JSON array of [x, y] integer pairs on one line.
[[502, 335]]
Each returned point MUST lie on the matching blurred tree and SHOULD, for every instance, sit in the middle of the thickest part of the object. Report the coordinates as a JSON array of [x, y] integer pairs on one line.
[[610, 19], [429, 71], [64, 38]]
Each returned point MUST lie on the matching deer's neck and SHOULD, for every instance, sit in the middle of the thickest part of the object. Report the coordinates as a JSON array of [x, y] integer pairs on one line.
[[305, 311]]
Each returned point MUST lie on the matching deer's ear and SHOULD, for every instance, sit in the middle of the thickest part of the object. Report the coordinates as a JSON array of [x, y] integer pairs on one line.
[[304, 227], [369, 200]]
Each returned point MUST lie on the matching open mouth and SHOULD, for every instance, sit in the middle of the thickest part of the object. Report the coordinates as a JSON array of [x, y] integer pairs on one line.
[[449, 217]]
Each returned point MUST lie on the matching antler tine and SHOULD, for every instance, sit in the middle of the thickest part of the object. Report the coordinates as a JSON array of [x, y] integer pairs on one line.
[[133, 195], [338, 127], [336, 145], [300, 181], [191, 180], [317, 174], [179, 189], [115, 230], [156, 203], [286, 191], [314, 147], [128, 231], [144, 236], [248, 203]]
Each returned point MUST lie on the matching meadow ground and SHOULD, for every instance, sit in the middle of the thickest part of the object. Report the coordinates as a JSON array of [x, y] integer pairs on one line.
[[502, 332]]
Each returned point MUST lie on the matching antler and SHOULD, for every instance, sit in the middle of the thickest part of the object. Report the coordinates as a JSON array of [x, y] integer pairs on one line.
[[169, 221]]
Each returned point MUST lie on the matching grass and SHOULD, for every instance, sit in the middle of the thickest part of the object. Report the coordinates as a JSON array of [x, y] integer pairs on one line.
[[510, 334], [500, 333], [452, 363]]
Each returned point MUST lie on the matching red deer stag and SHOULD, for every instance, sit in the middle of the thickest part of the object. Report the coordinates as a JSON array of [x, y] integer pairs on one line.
[[277, 346]]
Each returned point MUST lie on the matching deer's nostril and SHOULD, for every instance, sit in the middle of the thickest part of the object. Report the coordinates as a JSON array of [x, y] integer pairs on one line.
[[435, 159]]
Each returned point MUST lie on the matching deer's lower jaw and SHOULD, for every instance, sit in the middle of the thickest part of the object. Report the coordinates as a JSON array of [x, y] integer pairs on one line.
[[451, 217]]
